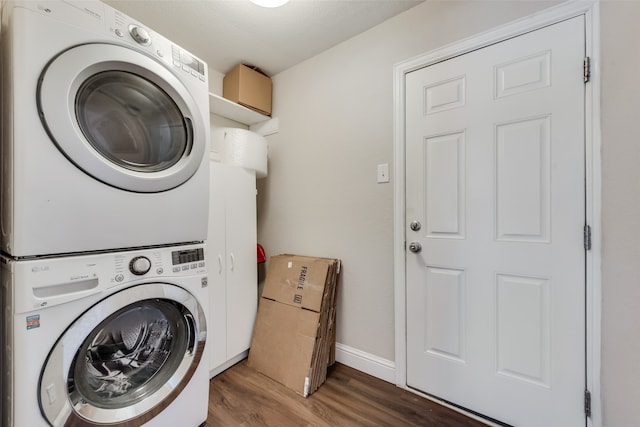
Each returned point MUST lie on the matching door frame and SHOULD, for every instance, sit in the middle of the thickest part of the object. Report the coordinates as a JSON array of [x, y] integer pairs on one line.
[[593, 198]]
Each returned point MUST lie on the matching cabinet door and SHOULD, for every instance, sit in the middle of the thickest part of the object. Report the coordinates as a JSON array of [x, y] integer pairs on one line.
[[241, 239], [216, 262]]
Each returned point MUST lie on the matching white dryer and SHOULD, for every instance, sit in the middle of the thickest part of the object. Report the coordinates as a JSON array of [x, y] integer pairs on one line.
[[112, 339], [105, 132]]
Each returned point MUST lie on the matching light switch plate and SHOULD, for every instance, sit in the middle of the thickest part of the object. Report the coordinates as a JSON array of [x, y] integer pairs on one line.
[[383, 173]]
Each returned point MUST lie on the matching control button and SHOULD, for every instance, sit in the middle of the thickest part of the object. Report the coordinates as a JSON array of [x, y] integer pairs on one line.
[[194, 73], [177, 63], [159, 53], [140, 265], [201, 77], [119, 277], [185, 267], [201, 264], [176, 269], [186, 68], [119, 33], [140, 35], [159, 270], [194, 265]]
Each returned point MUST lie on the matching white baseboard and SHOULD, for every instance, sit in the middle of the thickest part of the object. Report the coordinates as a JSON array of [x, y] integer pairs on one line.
[[366, 362]]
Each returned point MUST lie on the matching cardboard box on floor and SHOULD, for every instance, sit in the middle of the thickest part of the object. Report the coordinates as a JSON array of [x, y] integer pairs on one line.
[[294, 335]]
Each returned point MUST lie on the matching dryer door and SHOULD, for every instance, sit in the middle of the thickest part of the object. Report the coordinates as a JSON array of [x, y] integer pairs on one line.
[[122, 117], [125, 359]]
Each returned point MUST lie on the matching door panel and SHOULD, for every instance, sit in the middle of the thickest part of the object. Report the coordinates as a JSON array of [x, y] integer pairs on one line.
[[523, 180], [446, 185], [242, 280], [495, 173], [231, 247], [125, 359], [122, 118]]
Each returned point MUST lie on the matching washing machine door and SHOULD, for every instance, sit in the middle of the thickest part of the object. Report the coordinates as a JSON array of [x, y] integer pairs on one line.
[[122, 117], [125, 359]]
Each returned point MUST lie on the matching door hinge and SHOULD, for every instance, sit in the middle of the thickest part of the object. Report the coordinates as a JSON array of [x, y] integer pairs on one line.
[[587, 403], [587, 237], [587, 69]]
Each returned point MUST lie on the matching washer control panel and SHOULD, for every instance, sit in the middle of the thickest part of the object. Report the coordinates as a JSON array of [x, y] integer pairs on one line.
[[56, 280], [181, 261]]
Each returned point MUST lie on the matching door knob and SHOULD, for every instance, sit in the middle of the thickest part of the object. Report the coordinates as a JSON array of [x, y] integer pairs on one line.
[[415, 225], [415, 247]]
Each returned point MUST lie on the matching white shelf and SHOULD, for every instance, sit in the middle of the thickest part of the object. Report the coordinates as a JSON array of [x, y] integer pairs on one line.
[[236, 112]]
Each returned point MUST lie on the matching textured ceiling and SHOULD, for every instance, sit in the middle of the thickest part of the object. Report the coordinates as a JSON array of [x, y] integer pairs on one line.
[[226, 32]]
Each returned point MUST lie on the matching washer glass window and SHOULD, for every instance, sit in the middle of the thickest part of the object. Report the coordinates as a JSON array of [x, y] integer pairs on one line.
[[131, 121], [130, 355]]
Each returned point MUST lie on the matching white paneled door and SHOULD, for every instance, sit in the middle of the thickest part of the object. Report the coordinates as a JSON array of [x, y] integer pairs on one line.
[[495, 189]]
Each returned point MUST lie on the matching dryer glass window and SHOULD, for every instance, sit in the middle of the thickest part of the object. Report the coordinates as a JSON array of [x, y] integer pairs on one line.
[[131, 354], [131, 121]]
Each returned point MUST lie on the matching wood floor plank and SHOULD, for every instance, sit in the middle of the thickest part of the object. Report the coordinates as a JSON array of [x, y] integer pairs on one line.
[[242, 397]]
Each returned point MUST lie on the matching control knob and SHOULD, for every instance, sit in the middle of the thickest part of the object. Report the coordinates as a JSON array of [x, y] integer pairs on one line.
[[140, 265], [140, 35]]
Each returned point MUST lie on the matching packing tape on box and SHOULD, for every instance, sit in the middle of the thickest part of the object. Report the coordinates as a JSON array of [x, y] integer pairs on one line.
[[240, 147]]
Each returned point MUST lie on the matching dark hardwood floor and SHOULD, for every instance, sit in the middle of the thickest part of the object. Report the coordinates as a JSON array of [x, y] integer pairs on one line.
[[243, 397]]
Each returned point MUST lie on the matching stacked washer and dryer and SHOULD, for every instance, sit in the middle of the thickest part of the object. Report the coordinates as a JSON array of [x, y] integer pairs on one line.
[[104, 161]]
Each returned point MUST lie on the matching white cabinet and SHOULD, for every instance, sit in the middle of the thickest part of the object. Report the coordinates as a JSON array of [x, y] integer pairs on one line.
[[231, 260]]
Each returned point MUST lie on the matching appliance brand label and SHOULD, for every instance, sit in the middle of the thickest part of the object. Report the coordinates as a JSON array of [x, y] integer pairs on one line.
[[33, 321]]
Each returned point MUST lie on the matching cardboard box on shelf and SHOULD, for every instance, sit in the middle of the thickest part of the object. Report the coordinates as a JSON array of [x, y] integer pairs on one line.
[[248, 87], [294, 335]]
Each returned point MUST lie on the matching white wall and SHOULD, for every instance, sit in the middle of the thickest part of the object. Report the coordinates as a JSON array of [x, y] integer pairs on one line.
[[215, 81], [620, 213], [321, 196]]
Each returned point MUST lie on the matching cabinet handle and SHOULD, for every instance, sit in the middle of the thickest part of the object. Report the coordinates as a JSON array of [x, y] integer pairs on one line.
[[233, 261], [219, 264]]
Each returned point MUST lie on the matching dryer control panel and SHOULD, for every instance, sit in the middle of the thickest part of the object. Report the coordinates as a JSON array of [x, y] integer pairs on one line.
[[126, 29], [97, 17]]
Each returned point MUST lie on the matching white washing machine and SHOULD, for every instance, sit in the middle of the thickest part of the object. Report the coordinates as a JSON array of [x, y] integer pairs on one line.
[[113, 339], [105, 132]]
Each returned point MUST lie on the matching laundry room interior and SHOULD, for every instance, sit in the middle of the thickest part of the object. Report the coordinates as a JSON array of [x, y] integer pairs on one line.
[[293, 179]]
